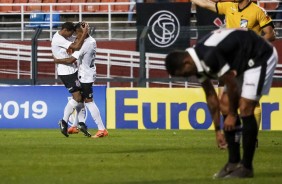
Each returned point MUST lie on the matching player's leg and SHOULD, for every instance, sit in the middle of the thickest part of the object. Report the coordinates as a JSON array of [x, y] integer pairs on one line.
[[257, 114], [261, 80], [232, 139], [93, 109], [81, 120], [79, 116], [249, 132], [72, 84]]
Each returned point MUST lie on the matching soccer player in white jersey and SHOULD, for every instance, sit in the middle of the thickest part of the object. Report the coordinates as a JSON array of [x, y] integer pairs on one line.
[[246, 63], [67, 72], [85, 58]]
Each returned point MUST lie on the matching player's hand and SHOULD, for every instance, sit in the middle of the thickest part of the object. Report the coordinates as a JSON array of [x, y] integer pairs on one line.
[[220, 140], [229, 123], [84, 26]]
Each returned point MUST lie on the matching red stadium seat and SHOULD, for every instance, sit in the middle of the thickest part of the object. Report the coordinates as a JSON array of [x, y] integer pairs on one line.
[[92, 8], [121, 8], [75, 8], [18, 8], [5, 8], [47, 8], [64, 8], [104, 8], [34, 8]]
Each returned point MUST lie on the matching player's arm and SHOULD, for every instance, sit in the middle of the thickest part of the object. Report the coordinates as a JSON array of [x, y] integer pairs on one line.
[[233, 93], [213, 104], [69, 60], [269, 33], [64, 60], [207, 4], [78, 43]]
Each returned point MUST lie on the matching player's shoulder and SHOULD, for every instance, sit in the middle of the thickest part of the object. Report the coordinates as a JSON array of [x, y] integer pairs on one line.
[[57, 37], [91, 40], [227, 4]]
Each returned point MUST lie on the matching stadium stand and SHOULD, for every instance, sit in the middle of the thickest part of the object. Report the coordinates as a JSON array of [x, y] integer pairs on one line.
[[46, 8], [6, 9], [33, 8], [121, 8], [111, 63], [105, 8], [36, 19], [75, 8], [17, 9], [47, 21], [40, 19], [64, 8], [92, 8]]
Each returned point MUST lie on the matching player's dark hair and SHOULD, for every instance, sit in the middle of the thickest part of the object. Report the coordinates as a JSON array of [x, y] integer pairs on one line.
[[174, 61], [77, 26], [69, 26]]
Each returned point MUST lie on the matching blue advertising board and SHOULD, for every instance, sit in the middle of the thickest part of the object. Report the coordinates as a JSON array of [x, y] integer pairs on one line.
[[41, 106]]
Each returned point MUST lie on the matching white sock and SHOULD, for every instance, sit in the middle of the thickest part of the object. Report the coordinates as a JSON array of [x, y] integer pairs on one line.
[[71, 105], [95, 113], [80, 113]]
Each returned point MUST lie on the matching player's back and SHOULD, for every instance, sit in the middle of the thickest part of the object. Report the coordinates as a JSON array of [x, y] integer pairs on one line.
[[235, 47], [87, 68]]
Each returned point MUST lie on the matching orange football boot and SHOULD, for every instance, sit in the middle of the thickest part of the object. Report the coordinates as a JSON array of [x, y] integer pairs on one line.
[[73, 130], [101, 133]]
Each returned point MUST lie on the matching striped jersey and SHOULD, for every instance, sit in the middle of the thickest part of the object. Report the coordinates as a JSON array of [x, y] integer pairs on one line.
[[229, 49]]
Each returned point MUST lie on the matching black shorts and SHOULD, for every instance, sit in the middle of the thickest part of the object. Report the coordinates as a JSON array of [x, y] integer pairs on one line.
[[71, 82], [86, 90]]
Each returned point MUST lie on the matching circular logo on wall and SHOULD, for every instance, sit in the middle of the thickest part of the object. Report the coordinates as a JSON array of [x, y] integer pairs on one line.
[[165, 28]]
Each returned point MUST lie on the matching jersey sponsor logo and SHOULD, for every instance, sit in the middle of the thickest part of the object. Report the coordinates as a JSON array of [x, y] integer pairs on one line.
[[165, 28], [244, 23]]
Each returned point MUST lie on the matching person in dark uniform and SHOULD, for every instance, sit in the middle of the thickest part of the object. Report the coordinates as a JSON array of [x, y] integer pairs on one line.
[[245, 62]]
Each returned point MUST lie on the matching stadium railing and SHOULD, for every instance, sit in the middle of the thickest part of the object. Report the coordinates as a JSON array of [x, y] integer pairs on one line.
[[109, 25], [112, 66], [112, 24]]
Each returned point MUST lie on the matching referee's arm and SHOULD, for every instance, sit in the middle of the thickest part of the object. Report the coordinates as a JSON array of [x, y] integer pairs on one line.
[[207, 4]]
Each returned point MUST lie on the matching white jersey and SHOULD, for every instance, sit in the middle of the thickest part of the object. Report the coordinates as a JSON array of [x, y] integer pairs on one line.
[[86, 61], [59, 50]]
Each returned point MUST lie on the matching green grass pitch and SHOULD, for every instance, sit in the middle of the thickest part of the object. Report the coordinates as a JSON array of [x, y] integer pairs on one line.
[[45, 156]]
